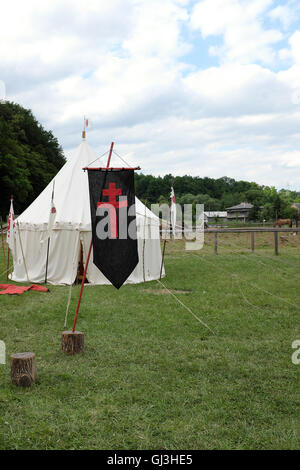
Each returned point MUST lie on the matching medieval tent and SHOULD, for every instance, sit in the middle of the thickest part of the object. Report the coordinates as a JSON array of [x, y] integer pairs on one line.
[[71, 234]]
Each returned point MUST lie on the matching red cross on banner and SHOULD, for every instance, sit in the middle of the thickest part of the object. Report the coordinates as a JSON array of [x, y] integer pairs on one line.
[[112, 192]]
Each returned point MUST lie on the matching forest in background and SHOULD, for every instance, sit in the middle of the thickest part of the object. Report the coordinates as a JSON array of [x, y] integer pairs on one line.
[[218, 194], [30, 157]]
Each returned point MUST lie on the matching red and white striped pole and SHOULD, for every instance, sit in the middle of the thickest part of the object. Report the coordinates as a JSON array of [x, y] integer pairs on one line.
[[8, 228]]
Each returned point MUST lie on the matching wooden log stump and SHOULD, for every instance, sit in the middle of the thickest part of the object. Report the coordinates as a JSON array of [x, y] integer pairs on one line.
[[23, 369], [72, 343]]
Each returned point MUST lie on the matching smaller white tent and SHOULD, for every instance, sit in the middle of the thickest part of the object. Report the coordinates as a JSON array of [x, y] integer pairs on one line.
[[72, 231]]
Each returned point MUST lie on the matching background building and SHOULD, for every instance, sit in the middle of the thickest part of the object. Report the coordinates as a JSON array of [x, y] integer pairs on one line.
[[240, 212]]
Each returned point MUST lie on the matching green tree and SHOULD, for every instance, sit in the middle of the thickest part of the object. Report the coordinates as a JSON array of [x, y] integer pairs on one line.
[[255, 212], [267, 212], [29, 157]]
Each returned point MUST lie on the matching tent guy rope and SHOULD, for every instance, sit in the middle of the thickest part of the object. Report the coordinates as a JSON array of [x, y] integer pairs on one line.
[[187, 308], [248, 283]]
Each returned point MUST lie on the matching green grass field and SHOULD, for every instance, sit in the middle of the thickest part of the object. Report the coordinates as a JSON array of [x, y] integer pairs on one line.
[[151, 376]]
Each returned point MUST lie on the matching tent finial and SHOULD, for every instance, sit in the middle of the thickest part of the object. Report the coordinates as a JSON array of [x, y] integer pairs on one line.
[[85, 124]]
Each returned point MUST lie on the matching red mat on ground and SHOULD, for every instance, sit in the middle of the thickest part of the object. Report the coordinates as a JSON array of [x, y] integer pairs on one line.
[[17, 290]]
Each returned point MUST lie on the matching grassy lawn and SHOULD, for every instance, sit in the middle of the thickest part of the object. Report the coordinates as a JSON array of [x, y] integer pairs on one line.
[[151, 376]]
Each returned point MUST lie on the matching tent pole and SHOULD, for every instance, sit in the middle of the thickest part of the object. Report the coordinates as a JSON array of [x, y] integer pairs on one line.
[[7, 271], [89, 254], [165, 240], [47, 259], [48, 245], [21, 245], [3, 243], [162, 259]]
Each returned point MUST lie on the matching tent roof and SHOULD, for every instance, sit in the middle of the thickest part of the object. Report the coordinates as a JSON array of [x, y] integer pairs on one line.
[[71, 197]]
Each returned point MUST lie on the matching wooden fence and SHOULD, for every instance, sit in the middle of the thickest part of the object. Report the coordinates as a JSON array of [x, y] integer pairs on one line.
[[253, 231], [216, 231]]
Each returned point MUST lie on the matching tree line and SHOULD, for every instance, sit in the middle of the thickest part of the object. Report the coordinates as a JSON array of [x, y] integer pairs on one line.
[[217, 194]]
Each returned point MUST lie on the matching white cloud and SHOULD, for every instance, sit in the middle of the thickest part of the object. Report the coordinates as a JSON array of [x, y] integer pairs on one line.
[[239, 23], [233, 89], [286, 14], [293, 53], [243, 148], [283, 13], [156, 30], [45, 41]]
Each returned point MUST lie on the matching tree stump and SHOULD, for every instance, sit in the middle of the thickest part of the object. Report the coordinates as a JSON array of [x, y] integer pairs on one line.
[[72, 343], [23, 369]]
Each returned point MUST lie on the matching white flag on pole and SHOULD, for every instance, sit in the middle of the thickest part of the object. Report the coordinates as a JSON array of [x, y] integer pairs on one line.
[[173, 211], [51, 219], [11, 228]]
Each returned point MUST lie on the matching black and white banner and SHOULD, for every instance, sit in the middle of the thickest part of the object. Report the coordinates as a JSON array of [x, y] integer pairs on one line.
[[112, 201]]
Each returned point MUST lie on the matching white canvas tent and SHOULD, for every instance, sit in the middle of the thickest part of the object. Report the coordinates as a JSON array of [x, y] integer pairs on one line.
[[72, 230]]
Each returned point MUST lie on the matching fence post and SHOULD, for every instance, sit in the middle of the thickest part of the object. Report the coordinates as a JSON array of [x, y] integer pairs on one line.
[[216, 243], [252, 241], [276, 242]]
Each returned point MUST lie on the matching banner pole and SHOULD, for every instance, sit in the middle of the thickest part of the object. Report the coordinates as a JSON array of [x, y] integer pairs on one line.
[[89, 254], [82, 285], [109, 156]]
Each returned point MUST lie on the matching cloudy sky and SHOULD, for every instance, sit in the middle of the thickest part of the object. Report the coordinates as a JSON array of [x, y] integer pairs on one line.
[[208, 88]]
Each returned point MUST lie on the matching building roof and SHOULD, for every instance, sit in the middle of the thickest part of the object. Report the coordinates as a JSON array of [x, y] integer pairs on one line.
[[241, 206]]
